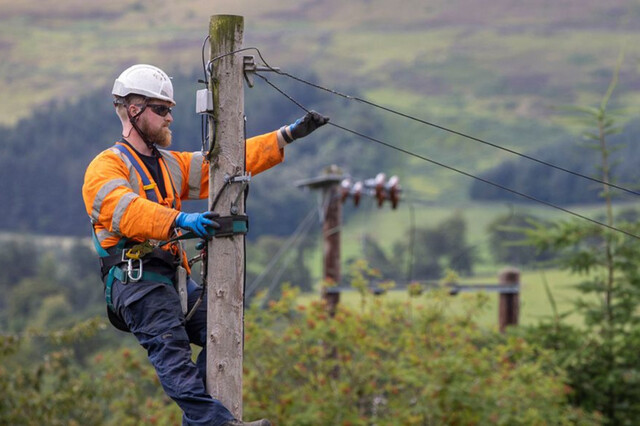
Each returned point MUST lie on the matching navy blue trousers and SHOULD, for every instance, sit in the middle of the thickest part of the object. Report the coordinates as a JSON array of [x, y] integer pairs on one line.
[[153, 314]]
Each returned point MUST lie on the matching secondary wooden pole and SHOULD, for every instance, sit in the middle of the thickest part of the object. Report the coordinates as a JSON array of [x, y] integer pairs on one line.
[[225, 264], [331, 233], [509, 303], [329, 183]]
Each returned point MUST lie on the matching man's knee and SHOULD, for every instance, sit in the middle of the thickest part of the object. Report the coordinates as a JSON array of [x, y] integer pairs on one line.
[[155, 313], [170, 354]]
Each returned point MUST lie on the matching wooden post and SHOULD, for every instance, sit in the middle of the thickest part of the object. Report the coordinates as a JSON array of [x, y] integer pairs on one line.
[[331, 235], [225, 264], [509, 303], [329, 182]]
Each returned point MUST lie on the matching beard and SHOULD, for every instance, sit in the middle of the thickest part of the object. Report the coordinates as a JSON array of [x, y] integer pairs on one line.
[[160, 136]]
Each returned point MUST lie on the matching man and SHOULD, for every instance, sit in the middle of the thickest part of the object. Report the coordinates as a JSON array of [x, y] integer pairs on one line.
[[132, 193]]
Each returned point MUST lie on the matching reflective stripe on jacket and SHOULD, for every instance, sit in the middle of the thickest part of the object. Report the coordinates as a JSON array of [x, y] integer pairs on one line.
[[118, 206]]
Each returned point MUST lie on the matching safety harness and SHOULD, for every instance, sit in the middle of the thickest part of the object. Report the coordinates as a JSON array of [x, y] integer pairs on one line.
[[147, 185], [126, 263]]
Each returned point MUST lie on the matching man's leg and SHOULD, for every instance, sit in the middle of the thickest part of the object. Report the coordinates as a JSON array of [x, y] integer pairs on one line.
[[197, 326], [157, 322], [197, 331]]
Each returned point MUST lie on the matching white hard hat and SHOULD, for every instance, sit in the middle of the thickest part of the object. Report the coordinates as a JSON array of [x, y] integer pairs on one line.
[[145, 80]]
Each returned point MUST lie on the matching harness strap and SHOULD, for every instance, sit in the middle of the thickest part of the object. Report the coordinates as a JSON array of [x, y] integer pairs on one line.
[[101, 251], [111, 260], [117, 273], [110, 264], [147, 185], [229, 226]]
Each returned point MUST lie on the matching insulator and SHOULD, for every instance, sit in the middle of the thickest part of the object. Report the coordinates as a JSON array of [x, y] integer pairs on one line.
[[394, 191], [393, 181], [357, 192], [345, 189], [380, 192]]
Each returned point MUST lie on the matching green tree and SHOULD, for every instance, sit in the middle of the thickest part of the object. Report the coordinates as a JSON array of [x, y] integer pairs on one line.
[[433, 250], [603, 366], [375, 255], [508, 243], [26, 300], [80, 277]]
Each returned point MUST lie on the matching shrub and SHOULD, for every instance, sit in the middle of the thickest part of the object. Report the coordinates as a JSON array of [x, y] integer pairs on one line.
[[386, 363], [118, 387], [397, 364]]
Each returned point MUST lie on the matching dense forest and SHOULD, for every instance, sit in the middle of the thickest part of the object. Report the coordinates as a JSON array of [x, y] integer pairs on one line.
[[557, 186]]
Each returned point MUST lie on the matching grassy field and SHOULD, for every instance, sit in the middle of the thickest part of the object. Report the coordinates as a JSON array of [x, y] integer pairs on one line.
[[387, 226]]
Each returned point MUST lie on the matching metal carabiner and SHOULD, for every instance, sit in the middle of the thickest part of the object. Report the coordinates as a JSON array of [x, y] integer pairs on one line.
[[134, 278]]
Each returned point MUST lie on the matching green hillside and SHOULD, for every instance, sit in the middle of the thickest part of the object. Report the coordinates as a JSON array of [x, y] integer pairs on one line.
[[445, 58]]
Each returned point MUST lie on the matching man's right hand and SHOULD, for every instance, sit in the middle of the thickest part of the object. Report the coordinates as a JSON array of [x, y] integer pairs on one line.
[[197, 222]]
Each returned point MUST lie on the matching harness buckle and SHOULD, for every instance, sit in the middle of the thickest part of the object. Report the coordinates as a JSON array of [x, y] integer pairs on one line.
[[138, 251]]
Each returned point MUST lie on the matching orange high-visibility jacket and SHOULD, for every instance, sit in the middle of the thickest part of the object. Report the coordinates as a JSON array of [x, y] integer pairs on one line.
[[117, 203]]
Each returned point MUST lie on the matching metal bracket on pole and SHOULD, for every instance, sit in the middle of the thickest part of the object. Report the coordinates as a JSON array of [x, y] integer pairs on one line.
[[244, 181], [250, 68]]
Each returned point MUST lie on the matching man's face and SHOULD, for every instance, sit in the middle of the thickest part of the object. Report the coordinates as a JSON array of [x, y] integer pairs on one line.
[[154, 125]]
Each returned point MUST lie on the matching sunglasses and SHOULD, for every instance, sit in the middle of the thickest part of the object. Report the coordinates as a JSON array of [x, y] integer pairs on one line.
[[161, 110]]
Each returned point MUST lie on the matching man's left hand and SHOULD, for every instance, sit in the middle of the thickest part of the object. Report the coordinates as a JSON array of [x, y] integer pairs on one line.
[[304, 126]]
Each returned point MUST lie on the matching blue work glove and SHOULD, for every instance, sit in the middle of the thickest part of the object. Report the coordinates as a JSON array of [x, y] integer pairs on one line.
[[303, 126], [197, 222]]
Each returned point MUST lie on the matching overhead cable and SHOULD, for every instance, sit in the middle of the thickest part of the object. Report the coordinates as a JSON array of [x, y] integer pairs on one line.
[[301, 231], [454, 169], [446, 129]]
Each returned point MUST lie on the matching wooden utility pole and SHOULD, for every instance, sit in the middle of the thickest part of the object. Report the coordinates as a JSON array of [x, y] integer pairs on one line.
[[509, 302], [336, 187], [329, 183], [225, 263], [331, 235]]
